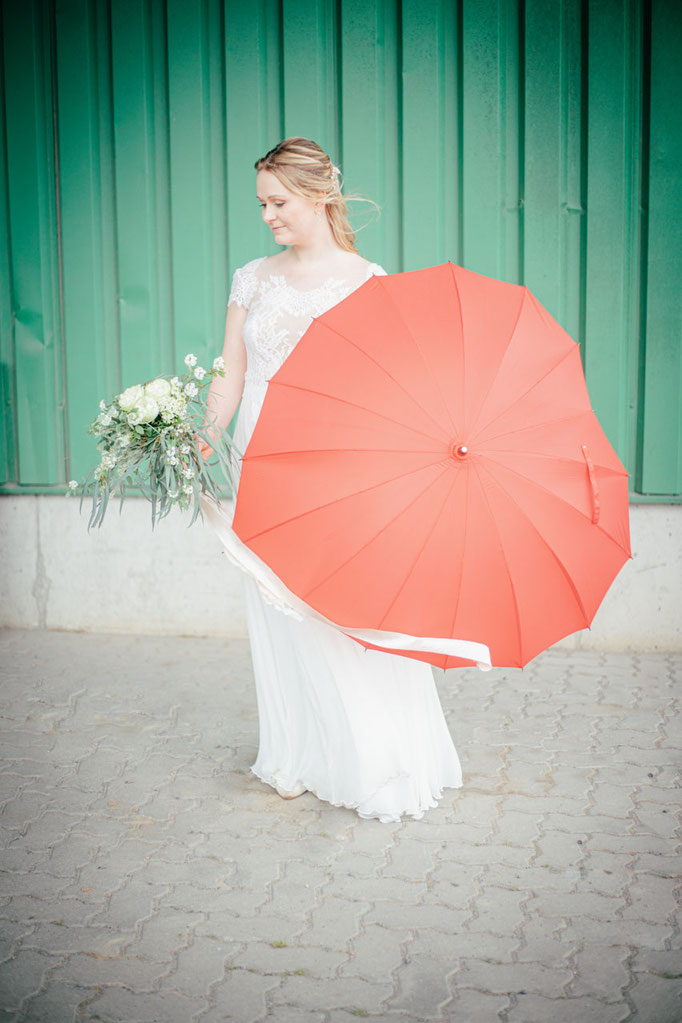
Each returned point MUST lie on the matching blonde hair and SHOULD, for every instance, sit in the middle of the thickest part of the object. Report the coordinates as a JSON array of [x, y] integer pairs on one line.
[[305, 169]]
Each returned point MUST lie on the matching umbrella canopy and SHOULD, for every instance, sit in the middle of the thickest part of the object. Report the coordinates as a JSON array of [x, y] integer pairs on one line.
[[427, 462]]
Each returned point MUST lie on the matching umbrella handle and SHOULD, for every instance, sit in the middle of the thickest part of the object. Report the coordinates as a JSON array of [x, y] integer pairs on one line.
[[594, 487]]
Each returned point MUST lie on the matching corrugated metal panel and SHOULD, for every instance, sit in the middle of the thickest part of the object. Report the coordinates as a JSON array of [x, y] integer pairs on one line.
[[535, 141]]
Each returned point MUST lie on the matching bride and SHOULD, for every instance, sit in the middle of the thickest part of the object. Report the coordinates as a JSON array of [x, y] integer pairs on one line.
[[358, 728]]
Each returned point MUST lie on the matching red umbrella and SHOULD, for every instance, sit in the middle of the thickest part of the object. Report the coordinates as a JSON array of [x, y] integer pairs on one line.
[[427, 462]]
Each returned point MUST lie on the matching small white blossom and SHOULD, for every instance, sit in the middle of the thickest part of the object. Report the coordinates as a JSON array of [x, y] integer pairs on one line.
[[124, 440], [200, 372], [188, 472], [73, 484], [108, 460], [185, 449], [191, 390], [102, 405], [188, 489], [172, 460], [219, 364], [190, 360], [113, 412]]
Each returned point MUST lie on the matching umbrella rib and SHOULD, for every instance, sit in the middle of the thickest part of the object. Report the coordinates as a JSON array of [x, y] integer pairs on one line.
[[338, 500], [343, 450], [520, 397], [506, 565], [579, 414], [509, 341], [354, 404], [421, 354], [386, 372], [418, 555], [545, 490], [552, 552], [373, 538]]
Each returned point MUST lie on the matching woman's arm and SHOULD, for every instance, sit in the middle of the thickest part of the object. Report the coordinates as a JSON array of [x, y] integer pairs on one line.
[[225, 393]]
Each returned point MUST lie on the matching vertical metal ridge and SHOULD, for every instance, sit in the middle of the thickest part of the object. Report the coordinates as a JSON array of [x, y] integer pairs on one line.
[[400, 113], [108, 182], [9, 469], [521, 141], [460, 129], [633, 227], [584, 157], [60, 339], [645, 136], [338, 83]]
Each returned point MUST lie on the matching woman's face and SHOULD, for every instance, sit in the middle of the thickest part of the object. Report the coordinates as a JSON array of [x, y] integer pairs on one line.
[[292, 218]]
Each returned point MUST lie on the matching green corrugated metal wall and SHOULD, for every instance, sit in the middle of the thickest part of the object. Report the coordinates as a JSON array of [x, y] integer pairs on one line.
[[537, 141]]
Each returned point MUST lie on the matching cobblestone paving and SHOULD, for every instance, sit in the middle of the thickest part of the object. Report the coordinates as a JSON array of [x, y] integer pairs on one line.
[[148, 876]]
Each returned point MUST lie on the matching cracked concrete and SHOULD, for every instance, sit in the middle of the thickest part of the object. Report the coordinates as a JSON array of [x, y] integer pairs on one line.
[[148, 876]]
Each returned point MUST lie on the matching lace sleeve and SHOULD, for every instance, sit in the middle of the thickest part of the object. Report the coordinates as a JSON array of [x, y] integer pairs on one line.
[[244, 284]]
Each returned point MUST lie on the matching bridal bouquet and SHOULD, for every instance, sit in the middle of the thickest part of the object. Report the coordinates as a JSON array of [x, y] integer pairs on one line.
[[150, 438]]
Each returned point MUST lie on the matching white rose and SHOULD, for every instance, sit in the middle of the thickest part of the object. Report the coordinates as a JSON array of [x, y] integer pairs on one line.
[[146, 410], [158, 388], [130, 397]]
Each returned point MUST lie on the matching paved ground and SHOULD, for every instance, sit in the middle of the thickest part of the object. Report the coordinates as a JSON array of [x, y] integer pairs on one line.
[[147, 876]]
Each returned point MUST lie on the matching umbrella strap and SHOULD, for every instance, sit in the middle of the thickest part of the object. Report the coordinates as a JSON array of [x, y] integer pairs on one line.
[[594, 486]]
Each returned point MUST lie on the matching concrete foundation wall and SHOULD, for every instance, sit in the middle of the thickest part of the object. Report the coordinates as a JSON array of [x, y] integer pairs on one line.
[[176, 581]]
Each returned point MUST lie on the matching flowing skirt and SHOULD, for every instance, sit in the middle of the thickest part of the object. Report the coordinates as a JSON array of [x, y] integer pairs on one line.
[[359, 728]]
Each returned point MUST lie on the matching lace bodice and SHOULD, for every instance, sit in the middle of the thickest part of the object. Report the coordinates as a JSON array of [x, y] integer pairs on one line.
[[279, 313]]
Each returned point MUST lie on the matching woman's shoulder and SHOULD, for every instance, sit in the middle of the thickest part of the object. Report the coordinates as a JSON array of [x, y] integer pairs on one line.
[[250, 268], [245, 282]]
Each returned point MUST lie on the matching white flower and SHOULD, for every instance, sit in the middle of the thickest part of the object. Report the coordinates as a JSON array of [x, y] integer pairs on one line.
[[108, 460], [219, 364], [172, 460], [191, 390], [73, 484], [185, 449], [146, 410], [190, 360], [188, 489], [124, 440], [200, 373], [188, 472], [102, 405], [113, 412], [158, 388], [130, 397], [103, 419]]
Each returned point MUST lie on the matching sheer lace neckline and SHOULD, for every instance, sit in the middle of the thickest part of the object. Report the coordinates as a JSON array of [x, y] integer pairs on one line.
[[281, 280]]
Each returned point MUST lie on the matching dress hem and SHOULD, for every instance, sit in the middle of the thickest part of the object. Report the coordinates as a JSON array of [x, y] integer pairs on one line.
[[383, 818]]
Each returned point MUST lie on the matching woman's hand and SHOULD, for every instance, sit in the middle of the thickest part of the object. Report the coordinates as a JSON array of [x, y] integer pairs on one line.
[[205, 449]]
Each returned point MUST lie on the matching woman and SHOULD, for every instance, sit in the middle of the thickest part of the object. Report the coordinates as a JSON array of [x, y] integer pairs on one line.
[[359, 728]]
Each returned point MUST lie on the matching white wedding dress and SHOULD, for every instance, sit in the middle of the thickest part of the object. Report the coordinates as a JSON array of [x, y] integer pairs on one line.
[[359, 728]]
